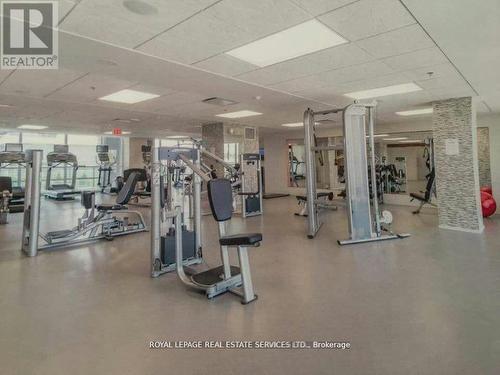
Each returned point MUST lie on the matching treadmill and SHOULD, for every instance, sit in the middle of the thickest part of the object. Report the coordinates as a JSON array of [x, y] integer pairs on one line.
[[12, 154], [61, 157]]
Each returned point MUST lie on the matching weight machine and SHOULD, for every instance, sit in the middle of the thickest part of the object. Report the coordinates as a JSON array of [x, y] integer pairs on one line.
[[364, 219], [98, 222], [251, 185], [425, 197], [11, 197], [168, 255]]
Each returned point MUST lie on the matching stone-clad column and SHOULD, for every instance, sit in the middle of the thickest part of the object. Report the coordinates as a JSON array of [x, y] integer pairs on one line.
[[456, 159], [212, 136]]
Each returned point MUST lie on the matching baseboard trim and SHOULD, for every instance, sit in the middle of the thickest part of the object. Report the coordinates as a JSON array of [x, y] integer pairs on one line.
[[477, 231]]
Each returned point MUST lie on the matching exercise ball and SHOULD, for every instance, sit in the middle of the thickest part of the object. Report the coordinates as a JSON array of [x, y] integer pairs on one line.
[[488, 204], [487, 189]]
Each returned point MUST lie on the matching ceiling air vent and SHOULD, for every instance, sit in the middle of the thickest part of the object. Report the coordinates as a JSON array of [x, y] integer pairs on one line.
[[219, 101]]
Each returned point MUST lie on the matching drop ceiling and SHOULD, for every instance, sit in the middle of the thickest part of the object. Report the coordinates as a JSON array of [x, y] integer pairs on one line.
[[177, 50]]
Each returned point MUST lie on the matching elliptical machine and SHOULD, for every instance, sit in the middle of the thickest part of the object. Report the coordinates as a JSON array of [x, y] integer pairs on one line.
[[105, 162]]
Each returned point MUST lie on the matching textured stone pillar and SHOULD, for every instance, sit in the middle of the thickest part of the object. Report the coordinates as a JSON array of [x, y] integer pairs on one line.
[[456, 158], [212, 136]]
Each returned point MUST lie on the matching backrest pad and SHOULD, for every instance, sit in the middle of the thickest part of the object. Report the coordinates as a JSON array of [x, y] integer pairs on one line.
[[128, 189], [220, 196]]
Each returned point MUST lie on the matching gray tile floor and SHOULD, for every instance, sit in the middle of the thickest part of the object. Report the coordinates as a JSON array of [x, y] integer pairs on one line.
[[429, 304]]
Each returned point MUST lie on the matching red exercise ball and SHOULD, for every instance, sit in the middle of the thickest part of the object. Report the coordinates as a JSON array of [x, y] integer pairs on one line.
[[487, 189], [488, 204]]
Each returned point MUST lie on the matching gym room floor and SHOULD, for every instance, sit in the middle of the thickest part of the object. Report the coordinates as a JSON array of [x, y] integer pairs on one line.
[[428, 304]]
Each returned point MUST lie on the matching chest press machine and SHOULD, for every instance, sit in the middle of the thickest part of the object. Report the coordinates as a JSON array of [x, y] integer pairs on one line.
[[364, 219], [216, 280], [104, 221]]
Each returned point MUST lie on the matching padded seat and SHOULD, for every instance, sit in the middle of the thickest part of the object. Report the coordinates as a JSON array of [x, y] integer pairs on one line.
[[243, 239], [110, 207]]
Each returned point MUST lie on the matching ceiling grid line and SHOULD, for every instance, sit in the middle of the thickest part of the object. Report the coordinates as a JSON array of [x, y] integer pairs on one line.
[[437, 45], [65, 85], [177, 24], [69, 12]]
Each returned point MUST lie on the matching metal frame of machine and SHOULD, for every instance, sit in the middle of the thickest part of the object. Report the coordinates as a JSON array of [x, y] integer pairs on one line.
[[11, 197], [365, 222], [214, 281], [105, 163], [91, 227], [251, 202]]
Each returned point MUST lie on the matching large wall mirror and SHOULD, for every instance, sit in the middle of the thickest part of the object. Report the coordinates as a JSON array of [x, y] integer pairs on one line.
[[403, 162]]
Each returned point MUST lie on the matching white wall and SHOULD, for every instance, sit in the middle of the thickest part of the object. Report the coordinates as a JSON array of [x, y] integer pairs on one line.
[[276, 163]]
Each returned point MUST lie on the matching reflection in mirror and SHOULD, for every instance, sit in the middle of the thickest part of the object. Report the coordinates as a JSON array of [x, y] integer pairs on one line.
[[297, 165], [402, 162]]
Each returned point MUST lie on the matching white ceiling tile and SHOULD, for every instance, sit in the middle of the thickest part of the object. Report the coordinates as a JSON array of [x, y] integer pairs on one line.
[[441, 71], [65, 6], [164, 103], [38, 82], [112, 22], [317, 7], [416, 59], [443, 93], [366, 18], [336, 78], [442, 82], [226, 65], [90, 87], [320, 61], [396, 42], [467, 32], [372, 83], [224, 26]]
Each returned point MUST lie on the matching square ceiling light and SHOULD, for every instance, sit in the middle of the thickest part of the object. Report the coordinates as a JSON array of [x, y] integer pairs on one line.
[[299, 40], [32, 127], [239, 114], [414, 112], [384, 91], [129, 96]]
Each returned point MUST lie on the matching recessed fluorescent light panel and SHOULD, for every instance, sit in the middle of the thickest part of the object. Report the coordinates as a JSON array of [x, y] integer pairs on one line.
[[384, 91], [129, 96], [305, 38], [32, 127], [395, 139], [293, 125], [412, 141], [378, 135], [177, 137], [414, 112], [239, 114]]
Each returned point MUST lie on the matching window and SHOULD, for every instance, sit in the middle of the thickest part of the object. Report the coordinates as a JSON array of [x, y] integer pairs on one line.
[[45, 142], [12, 171], [231, 152], [84, 148]]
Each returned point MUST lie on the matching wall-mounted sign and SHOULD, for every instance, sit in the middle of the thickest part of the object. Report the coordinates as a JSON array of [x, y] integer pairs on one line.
[[451, 146]]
